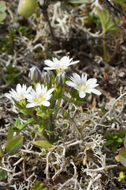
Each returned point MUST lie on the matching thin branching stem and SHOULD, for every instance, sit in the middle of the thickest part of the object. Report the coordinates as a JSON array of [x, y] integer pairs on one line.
[[44, 8]]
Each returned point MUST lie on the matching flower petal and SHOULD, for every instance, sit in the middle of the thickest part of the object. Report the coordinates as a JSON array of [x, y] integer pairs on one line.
[[49, 68], [82, 94], [69, 83], [97, 92], [30, 105], [46, 103], [49, 63], [38, 88]]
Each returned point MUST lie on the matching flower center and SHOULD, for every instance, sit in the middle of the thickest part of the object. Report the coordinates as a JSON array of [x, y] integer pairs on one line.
[[60, 71], [39, 99], [21, 97], [82, 86], [61, 68]]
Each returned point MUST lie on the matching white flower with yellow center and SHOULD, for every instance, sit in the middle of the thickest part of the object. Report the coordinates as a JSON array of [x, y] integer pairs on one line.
[[83, 85], [59, 65], [19, 94], [40, 96]]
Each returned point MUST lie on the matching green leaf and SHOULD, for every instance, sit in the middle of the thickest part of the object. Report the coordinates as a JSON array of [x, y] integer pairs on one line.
[[13, 145], [106, 22], [2, 6], [12, 72], [78, 1], [109, 142], [2, 11], [119, 140], [18, 126], [42, 144], [3, 175], [42, 114], [122, 156], [10, 134]]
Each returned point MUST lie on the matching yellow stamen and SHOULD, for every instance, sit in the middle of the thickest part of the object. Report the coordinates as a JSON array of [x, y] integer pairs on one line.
[[39, 99], [82, 86]]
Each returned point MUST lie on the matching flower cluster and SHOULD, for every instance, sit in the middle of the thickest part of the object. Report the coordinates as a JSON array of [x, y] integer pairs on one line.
[[41, 94]]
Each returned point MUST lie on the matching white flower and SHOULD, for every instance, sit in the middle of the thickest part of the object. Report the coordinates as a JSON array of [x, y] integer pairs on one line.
[[40, 96], [83, 85], [59, 65], [19, 94]]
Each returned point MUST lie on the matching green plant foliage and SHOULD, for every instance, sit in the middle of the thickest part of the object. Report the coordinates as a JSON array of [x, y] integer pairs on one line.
[[14, 143], [2, 11], [122, 156], [41, 104], [18, 126], [12, 74], [92, 19], [115, 139], [106, 21], [38, 186], [43, 144], [3, 175], [7, 42], [17, 30]]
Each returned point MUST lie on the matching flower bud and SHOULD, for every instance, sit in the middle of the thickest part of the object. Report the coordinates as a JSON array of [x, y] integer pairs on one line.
[[26, 7], [60, 79], [46, 78], [35, 74]]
